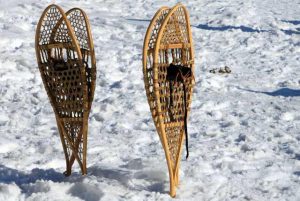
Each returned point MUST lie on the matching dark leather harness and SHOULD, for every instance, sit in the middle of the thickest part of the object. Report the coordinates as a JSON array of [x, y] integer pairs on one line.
[[180, 74]]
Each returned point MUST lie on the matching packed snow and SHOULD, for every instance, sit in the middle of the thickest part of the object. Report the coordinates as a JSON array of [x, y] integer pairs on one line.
[[244, 126]]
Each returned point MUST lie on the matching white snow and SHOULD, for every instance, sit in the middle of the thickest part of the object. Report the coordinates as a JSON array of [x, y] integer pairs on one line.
[[244, 127]]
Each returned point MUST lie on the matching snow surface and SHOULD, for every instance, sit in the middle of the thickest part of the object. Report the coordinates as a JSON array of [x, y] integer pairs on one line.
[[244, 127]]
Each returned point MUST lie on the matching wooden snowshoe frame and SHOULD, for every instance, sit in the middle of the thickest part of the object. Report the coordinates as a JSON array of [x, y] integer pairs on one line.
[[168, 40], [66, 60]]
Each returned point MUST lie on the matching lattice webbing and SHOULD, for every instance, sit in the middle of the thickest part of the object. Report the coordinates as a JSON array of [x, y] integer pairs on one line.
[[64, 62], [168, 40], [73, 130], [79, 24], [77, 21], [150, 54], [50, 20], [175, 33]]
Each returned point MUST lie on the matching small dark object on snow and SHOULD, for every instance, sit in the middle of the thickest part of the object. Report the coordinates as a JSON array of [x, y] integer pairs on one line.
[[227, 69], [221, 70], [213, 70]]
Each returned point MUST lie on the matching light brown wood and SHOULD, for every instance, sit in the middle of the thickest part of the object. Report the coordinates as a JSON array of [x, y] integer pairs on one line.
[[66, 60], [168, 40]]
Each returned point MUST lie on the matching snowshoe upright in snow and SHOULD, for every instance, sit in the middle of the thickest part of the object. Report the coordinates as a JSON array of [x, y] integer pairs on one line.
[[66, 60], [168, 66]]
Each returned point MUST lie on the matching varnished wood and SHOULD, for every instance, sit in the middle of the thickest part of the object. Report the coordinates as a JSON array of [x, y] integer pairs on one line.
[[168, 40], [66, 59]]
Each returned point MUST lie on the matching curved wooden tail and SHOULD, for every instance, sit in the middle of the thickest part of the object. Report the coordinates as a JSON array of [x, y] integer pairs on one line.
[[168, 40], [68, 68]]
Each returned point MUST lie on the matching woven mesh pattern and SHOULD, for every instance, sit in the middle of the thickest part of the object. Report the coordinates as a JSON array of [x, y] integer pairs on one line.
[[67, 76], [74, 133], [65, 89], [61, 68], [173, 115], [174, 33], [77, 21], [148, 71], [50, 20], [176, 29], [79, 24]]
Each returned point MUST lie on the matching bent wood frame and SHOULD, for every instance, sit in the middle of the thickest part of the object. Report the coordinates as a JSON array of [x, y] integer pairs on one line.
[[85, 63], [151, 63]]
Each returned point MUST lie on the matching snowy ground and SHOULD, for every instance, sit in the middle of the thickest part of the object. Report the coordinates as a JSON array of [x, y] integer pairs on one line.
[[244, 127]]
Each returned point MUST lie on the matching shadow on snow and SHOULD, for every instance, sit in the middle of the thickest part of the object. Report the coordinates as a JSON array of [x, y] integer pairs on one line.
[[148, 180], [290, 32], [138, 20], [294, 22], [9, 175], [243, 29], [229, 27], [285, 92]]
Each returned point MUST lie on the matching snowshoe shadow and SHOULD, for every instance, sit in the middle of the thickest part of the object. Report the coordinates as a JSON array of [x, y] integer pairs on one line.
[[34, 181], [135, 164], [150, 180], [9, 175], [133, 176], [121, 176], [86, 191]]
